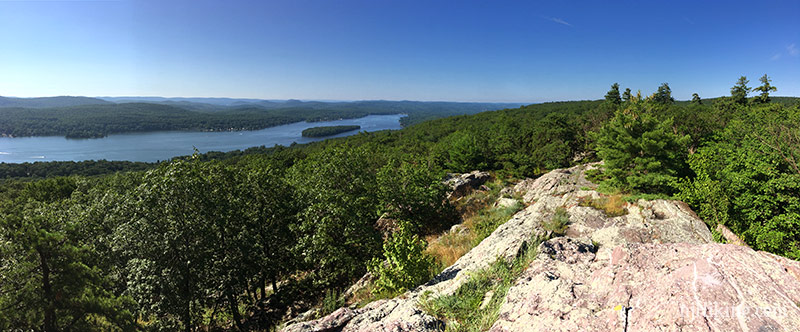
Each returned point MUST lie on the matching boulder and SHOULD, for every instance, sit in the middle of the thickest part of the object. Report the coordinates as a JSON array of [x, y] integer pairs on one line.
[[463, 184]]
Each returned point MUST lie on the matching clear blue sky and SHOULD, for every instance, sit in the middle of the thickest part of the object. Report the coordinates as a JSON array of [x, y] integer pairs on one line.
[[517, 51]]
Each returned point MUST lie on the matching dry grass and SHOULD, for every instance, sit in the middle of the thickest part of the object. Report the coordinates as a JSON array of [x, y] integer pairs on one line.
[[612, 206], [448, 248]]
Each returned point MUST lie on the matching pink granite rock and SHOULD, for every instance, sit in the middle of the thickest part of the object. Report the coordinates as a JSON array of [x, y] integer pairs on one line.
[[653, 287]]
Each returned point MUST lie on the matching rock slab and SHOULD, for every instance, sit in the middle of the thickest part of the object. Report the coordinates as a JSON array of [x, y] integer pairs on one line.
[[653, 287]]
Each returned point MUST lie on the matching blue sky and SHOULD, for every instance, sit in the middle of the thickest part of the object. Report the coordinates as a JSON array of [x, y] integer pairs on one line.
[[515, 51]]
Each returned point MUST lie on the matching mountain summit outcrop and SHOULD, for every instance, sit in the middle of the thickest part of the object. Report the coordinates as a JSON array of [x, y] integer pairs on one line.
[[650, 265]]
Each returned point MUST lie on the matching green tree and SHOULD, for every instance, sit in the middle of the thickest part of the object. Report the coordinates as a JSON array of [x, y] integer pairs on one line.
[[412, 192], [171, 241], [49, 278], [664, 95], [613, 95], [268, 206], [765, 89], [641, 153], [336, 188], [554, 141], [748, 179], [740, 90], [626, 96], [467, 152], [696, 99]]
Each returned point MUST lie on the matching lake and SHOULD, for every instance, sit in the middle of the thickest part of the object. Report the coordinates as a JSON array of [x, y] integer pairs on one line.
[[162, 145]]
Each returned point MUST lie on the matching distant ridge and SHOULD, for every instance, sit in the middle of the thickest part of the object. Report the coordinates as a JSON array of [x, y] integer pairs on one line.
[[44, 102]]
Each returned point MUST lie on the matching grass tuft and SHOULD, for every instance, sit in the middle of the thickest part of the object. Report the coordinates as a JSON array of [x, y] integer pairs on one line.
[[475, 305], [612, 206], [557, 225], [332, 301]]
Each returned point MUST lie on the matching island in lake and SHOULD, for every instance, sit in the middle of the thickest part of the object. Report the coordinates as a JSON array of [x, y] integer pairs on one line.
[[328, 130]]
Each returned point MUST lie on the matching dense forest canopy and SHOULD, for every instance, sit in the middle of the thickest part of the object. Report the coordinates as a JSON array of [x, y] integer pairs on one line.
[[233, 240]]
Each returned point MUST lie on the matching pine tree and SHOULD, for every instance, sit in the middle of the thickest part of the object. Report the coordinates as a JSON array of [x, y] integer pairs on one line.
[[696, 99], [740, 90], [765, 89], [626, 96], [641, 153], [50, 279], [612, 96], [664, 95]]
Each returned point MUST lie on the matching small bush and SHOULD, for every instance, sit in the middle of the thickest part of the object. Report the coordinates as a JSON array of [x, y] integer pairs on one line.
[[405, 264], [557, 225]]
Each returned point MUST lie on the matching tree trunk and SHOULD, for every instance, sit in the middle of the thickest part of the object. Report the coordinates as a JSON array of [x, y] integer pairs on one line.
[[49, 309], [187, 314], [187, 317], [274, 284], [234, 307], [263, 287]]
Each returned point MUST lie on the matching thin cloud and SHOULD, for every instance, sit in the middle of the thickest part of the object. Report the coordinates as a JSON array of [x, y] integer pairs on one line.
[[792, 49], [559, 21]]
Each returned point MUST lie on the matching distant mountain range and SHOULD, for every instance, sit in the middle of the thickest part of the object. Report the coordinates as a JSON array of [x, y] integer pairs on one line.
[[44, 102]]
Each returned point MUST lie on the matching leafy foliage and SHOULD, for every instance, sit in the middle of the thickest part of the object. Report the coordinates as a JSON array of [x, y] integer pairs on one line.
[[49, 277], [413, 193], [748, 180], [613, 95], [664, 95], [336, 188], [404, 265], [765, 88]]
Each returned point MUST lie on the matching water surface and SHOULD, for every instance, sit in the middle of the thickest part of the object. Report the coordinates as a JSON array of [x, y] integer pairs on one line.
[[162, 145]]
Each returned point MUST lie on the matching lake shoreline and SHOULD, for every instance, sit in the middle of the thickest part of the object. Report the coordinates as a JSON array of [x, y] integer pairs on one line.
[[163, 145]]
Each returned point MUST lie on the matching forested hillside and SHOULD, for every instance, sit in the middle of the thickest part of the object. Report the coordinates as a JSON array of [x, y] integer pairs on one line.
[[101, 118], [235, 243]]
